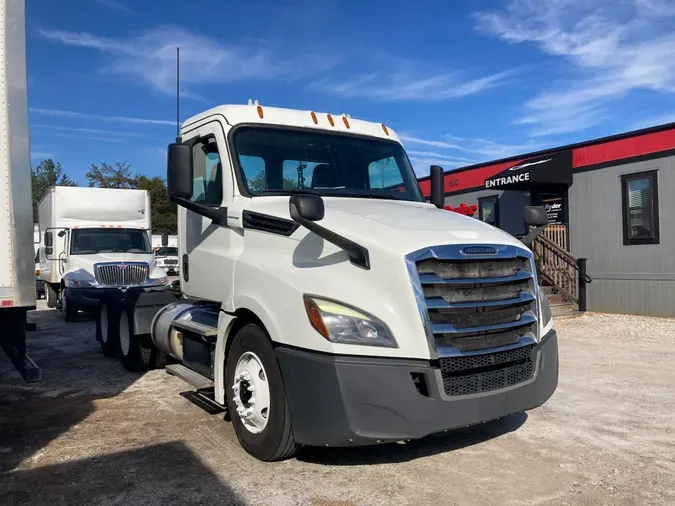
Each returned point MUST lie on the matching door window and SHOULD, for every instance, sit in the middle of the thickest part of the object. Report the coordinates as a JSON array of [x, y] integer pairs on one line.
[[208, 173]]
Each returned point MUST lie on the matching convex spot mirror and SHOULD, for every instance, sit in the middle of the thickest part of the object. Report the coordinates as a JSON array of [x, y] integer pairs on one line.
[[535, 216]]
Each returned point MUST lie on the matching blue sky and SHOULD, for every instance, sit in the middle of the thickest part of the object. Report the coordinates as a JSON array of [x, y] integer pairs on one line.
[[460, 81]]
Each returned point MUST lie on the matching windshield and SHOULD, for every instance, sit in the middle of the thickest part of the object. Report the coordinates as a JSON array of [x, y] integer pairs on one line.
[[277, 161], [89, 241], [166, 251]]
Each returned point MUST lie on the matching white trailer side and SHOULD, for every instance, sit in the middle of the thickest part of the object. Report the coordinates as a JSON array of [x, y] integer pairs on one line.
[[17, 277]]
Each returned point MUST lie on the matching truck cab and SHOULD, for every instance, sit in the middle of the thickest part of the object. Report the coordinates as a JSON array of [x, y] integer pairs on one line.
[[95, 240], [326, 302], [165, 249]]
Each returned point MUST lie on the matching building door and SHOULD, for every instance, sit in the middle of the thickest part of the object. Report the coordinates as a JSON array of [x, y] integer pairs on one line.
[[556, 205]]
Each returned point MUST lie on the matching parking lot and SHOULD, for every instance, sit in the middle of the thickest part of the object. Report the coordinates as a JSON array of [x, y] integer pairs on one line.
[[92, 433]]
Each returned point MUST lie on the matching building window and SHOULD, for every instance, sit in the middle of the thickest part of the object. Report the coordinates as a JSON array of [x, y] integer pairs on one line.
[[640, 204], [488, 210]]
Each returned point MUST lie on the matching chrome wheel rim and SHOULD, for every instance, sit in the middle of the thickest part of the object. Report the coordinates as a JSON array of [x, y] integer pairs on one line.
[[251, 393]]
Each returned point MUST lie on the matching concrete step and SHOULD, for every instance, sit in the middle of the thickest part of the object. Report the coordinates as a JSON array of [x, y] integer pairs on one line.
[[564, 311]]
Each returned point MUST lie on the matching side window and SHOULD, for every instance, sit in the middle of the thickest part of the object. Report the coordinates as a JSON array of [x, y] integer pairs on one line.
[[488, 210], [384, 173], [208, 173], [640, 203]]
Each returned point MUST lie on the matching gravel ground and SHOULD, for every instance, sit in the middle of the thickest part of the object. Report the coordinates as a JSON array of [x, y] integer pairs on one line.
[[91, 433]]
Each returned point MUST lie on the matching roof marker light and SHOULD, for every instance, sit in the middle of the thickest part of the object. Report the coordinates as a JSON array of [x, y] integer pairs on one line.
[[345, 120], [316, 121], [260, 111], [384, 127], [330, 120]]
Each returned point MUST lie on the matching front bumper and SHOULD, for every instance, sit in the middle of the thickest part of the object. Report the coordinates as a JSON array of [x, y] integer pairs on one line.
[[92, 297], [345, 401]]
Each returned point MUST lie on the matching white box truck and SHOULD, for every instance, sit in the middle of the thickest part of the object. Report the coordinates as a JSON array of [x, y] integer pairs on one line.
[[17, 278], [324, 302], [165, 249], [95, 240]]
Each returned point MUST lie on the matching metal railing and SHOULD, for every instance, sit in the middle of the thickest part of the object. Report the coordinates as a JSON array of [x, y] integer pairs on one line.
[[559, 269]]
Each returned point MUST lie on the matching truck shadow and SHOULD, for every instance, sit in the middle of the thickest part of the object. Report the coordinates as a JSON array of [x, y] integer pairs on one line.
[[75, 375], [171, 474], [431, 445]]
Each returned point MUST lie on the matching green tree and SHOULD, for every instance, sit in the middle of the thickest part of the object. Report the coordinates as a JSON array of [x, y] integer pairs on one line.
[[164, 216], [46, 174], [258, 184], [117, 175]]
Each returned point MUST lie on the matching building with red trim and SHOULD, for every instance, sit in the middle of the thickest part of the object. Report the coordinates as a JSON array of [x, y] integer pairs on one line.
[[610, 201]]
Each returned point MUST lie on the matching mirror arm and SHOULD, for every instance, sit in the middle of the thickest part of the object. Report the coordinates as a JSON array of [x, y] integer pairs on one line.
[[217, 215], [358, 255], [534, 233]]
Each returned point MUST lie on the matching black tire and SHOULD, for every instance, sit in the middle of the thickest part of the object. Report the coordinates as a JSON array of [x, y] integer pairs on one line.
[[52, 296], [68, 307], [135, 354], [276, 441], [108, 330]]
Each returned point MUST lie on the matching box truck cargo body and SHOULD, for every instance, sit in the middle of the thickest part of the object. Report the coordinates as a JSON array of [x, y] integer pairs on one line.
[[17, 278], [94, 239]]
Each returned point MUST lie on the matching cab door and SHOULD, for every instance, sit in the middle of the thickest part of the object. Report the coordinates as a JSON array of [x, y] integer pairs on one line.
[[205, 257]]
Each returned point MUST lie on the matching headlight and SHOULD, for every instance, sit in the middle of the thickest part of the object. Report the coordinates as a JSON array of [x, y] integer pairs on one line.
[[338, 323], [158, 281], [81, 283]]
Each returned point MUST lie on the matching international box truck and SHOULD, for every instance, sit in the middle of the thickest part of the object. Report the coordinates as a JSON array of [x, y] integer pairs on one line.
[[165, 249], [95, 240], [322, 301]]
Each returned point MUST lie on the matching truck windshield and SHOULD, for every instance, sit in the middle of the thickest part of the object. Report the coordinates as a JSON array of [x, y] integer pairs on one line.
[[279, 161], [89, 241], [166, 251]]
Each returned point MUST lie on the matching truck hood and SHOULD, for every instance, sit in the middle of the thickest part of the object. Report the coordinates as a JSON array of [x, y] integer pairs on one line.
[[86, 262], [403, 226]]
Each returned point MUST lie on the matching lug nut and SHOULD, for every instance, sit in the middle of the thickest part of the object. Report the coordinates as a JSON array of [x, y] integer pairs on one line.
[[251, 388], [251, 401]]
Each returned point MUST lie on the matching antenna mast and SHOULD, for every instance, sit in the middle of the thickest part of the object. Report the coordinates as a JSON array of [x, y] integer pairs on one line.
[[177, 92]]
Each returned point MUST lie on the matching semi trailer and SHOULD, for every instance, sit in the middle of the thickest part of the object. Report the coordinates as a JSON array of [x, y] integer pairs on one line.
[[95, 240], [322, 301], [17, 269]]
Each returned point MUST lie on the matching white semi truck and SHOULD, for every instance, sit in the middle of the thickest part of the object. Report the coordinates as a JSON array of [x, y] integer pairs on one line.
[[95, 240], [323, 301], [165, 249], [17, 278]]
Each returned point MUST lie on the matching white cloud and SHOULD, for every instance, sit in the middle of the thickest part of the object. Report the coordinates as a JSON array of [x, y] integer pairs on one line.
[[100, 117], [607, 49], [439, 156], [41, 155], [655, 121], [91, 131], [411, 84], [486, 149], [114, 5], [150, 58], [81, 136]]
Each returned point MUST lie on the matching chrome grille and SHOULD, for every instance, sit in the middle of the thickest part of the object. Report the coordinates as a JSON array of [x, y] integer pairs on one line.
[[121, 273], [471, 303]]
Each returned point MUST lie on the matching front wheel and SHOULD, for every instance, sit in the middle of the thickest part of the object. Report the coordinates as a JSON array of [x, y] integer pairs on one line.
[[256, 397], [68, 306]]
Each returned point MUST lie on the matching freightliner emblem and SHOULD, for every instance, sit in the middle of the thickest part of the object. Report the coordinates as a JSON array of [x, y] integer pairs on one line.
[[479, 250]]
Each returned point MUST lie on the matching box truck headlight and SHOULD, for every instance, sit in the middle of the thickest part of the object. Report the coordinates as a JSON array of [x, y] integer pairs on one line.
[[81, 283], [158, 281], [338, 323]]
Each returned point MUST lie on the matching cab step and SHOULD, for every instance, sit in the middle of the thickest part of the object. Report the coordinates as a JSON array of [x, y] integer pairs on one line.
[[204, 398], [189, 376], [197, 328]]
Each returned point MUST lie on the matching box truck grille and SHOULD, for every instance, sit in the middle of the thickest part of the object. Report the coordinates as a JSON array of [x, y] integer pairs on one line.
[[474, 374], [121, 274]]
